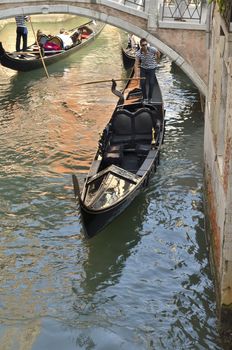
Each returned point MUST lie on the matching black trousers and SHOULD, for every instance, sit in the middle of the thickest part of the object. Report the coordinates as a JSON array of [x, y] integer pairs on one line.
[[21, 33], [149, 74]]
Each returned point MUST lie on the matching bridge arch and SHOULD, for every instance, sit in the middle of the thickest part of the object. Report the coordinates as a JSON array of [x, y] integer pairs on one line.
[[115, 17]]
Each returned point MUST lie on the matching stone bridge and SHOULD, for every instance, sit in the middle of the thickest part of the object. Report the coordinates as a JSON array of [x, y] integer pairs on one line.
[[184, 41]]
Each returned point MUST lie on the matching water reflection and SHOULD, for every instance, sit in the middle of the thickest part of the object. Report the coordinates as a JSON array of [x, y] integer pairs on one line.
[[124, 236], [143, 283]]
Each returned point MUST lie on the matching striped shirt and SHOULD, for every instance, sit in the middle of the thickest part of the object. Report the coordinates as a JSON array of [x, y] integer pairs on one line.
[[20, 21], [147, 61]]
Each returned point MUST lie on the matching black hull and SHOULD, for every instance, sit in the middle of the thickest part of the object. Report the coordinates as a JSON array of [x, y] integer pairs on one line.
[[94, 222], [128, 60], [24, 65]]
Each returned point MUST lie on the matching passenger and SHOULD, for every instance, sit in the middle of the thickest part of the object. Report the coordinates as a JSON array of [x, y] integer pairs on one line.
[[41, 38], [132, 42], [135, 42], [66, 39], [85, 32], [76, 37]]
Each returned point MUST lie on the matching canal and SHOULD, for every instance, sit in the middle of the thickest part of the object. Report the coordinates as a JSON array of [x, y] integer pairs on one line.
[[145, 281]]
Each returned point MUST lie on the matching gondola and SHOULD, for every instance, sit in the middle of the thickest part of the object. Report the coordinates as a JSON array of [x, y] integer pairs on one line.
[[31, 59], [128, 153], [128, 57], [129, 52]]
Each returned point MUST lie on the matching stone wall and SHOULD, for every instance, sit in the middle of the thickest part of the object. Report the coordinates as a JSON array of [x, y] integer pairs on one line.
[[218, 162]]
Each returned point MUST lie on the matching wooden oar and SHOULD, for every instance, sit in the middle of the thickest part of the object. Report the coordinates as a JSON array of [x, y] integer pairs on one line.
[[82, 25], [107, 81], [41, 56], [36, 52]]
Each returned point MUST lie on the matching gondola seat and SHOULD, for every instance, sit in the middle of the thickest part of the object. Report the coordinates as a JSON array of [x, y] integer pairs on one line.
[[131, 127], [55, 43], [122, 127], [143, 125]]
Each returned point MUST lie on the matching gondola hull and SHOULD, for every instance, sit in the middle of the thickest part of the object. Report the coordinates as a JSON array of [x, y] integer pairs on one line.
[[94, 222], [128, 154], [16, 62], [128, 57]]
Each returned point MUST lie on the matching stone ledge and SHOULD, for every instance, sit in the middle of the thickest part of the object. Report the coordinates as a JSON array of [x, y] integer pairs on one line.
[[181, 25]]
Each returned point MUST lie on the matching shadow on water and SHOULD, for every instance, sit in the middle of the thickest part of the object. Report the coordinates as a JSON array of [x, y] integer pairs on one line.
[[109, 250]]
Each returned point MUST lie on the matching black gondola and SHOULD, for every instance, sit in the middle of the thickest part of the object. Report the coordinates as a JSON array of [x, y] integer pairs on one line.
[[129, 52], [128, 152], [31, 59], [128, 57]]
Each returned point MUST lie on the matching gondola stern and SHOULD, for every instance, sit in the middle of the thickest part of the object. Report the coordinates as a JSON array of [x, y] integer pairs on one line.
[[76, 187], [2, 51]]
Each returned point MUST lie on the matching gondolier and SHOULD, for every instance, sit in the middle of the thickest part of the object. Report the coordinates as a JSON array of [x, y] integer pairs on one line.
[[146, 60], [21, 31]]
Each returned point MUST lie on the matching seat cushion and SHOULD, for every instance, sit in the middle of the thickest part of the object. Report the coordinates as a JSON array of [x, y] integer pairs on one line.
[[122, 123], [143, 122]]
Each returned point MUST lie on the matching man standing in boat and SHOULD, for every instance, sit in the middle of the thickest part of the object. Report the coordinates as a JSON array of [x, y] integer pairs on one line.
[[145, 60], [21, 31]]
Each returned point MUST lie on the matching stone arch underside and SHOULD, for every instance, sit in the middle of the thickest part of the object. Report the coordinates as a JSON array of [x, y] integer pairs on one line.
[[123, 20]]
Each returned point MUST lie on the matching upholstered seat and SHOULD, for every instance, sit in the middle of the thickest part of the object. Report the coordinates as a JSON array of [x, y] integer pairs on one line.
[[143, 125], [143, 121], [122, 127], [132, 127]]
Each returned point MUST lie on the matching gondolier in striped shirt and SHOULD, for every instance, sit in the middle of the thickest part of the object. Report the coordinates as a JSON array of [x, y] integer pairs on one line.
[[146, 60], [21, 31]]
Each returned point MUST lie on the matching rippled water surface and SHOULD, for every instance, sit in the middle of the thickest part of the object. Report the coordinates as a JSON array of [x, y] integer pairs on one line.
[[145, 281]]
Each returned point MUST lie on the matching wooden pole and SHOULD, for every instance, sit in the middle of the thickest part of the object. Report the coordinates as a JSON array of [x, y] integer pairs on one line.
[[107, 81], [82, 25], [36, 52], [41, 56]]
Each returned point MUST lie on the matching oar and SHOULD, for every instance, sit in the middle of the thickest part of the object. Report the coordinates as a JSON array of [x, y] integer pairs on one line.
[[82, 25], [41, 56], [107, 81], [36, 52]]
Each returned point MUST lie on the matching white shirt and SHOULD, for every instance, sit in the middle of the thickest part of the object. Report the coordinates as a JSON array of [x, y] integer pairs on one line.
[[67, 41]]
